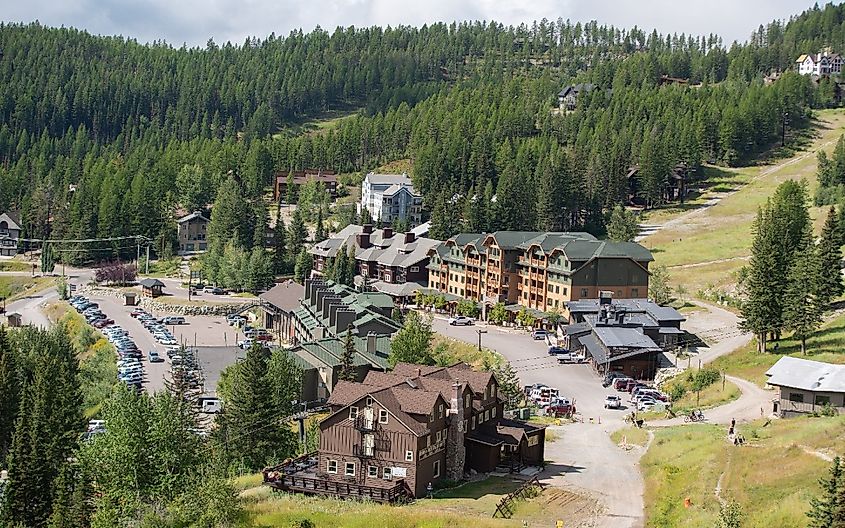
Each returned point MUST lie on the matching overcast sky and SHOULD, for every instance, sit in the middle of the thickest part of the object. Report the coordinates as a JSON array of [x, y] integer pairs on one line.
[[195, 21]]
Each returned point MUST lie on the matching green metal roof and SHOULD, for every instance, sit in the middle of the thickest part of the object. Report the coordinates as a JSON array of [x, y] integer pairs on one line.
[[378, 300]]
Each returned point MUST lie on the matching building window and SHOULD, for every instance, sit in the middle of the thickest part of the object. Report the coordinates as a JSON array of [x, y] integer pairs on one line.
[[369, 401], [584, 292], [467, 400], [440, 411], [350, 469], [473, 422], [796, 397], [439, 437], [635, 292], [372, 471], [428, 440], [331, 466], [436, 468], [486, 415], [486, 392], [415, 269], [494, 390], [466, 422], [353, 413], [493, 412], [409, 456], [382, 416], [387, 473], [822, 400]]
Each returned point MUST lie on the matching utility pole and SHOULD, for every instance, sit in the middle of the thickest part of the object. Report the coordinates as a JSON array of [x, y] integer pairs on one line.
[[479, 332], [148, 259]]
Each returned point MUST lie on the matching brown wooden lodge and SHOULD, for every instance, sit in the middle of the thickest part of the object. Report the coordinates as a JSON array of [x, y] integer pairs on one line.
[[397, 433]]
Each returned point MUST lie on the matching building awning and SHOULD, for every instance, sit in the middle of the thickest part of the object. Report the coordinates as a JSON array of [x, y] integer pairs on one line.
[[670, 330]]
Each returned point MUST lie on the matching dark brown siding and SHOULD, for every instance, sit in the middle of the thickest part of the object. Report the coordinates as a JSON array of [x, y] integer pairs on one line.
[[533, 454], [482, 458]]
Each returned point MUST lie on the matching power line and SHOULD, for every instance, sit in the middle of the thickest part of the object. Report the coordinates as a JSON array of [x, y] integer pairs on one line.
[[139, 238]]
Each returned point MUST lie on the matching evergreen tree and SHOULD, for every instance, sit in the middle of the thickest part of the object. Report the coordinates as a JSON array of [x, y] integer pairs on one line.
[[347, 360], [825, 508], [366, 217], [412, 343], [304, 265], [193, 188], [827, 277], [48, 263], [10, 392], [297, 234], [622, 226], [761, 309], [228, 216], [509, 385], [730, 515], [802, 311], [320, 232], [658, 286], [291, 190], [248, 407], [280, 253]]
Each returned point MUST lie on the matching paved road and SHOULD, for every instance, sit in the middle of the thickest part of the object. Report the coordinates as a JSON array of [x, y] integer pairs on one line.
[[30, 306], [753, 404], [584, 458]]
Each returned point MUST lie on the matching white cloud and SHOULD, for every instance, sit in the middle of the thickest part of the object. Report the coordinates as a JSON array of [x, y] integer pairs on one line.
[[194, 21]]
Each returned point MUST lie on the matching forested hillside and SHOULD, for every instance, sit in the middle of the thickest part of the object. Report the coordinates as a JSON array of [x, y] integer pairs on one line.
[[102, 136]]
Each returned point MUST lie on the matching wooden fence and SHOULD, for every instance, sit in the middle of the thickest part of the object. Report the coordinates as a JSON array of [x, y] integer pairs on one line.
[[506, 505]]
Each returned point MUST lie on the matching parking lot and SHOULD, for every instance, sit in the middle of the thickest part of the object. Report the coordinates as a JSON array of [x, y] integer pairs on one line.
[[210, 335], [532, 362]]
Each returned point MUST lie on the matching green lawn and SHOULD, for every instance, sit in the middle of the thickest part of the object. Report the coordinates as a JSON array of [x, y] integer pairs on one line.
[[13, 287], [631, 435], [772, 478], [14, 265], [711, 396], [723, 231]]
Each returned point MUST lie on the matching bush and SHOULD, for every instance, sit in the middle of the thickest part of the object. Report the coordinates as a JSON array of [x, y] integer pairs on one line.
[[677, 391], [703, 378]]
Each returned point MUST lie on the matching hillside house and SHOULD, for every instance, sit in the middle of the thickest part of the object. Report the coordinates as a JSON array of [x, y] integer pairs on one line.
[[10, 232], [326, 177], [806, 386], [824, 63], [399, 432], [191, 232], [674, 188], [278, 304], [390, 197]]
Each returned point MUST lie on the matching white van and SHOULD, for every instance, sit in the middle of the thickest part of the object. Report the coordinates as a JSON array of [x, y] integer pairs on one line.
[[209, 405], [543, 396]]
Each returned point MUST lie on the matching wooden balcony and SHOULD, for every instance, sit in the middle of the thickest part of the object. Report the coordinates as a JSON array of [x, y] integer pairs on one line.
[[300, 476]]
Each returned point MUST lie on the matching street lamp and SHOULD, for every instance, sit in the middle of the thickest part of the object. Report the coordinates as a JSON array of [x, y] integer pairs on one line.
[[479, 332]]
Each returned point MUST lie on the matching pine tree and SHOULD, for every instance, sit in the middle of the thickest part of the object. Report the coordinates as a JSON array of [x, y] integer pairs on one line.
[[291, 189], [622, 226], [760, 309], [827, 277], [297, 234], [802, 311], [304, 265], [347, 360], [48, 263], [229, 215], [320, 232], [412, 343], [509, 385], [658, 286], [366, 217], [10, 392], [280, 253], [824, 508]]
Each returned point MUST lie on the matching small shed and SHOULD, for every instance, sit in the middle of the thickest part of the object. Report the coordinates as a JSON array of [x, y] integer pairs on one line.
[[151, 287], [130, 298], [14, 319]]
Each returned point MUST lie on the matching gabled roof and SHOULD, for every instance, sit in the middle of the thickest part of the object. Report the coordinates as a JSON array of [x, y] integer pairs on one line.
[[284, 296], [150, 283], [192, 216], [11, 219], [378, 178], [807, 375]]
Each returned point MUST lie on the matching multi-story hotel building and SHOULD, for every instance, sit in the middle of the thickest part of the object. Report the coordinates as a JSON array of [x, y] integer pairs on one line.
[[541, 271]]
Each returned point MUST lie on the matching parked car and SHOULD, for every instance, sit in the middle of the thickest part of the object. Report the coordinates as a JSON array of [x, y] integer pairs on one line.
[[214, 290], [155, 357], [460, 320], [646, 404], [245, 343], [621, 384], [137, 312], [539, 334], [612, 402], [558, 350], [173, 320], [560, 407], [133, 376]]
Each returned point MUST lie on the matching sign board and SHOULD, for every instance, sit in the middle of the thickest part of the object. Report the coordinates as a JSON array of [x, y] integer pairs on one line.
[[196, 274], [72, 287], [399, 472]]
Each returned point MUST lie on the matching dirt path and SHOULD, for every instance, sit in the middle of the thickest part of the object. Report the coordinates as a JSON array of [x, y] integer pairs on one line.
[[588, 462]]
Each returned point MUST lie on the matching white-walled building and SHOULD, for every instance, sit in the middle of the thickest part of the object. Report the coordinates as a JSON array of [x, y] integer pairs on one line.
[[390, 197], [825, 63]]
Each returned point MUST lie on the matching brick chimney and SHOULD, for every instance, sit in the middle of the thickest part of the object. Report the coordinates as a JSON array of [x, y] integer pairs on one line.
[[409, 237], [367, 229], [387, 232], [456, 452], [363, 240]]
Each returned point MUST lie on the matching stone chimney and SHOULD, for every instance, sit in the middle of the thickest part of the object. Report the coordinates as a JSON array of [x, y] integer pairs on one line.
[[387, 232], [409, 237], [456, 453]]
